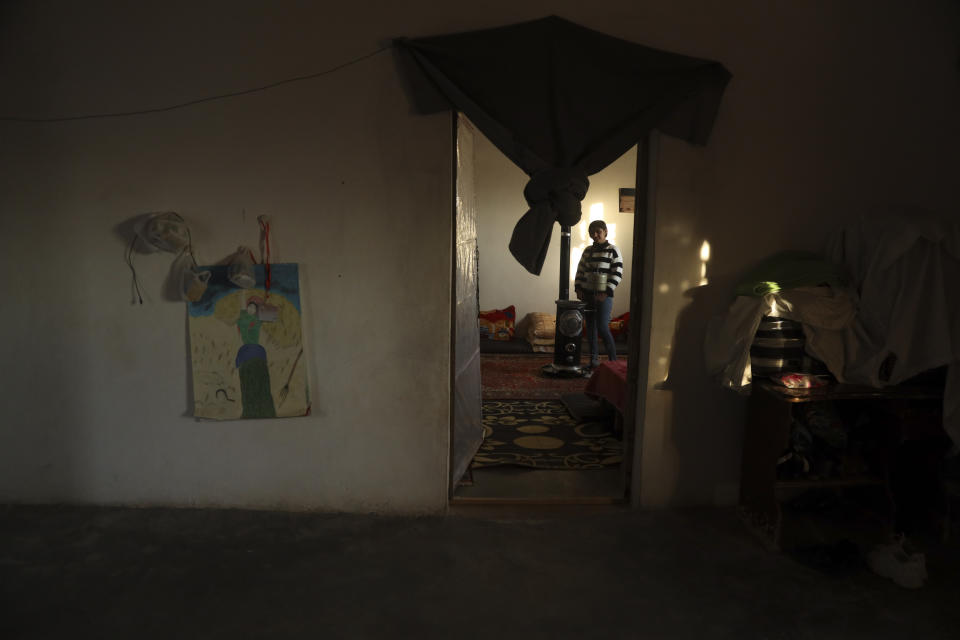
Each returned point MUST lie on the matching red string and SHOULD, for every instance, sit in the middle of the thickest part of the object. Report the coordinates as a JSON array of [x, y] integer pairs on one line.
[[265, 228]]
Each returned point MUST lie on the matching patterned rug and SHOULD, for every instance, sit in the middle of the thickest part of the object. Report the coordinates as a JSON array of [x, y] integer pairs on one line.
[[513, 376], [542, 435]]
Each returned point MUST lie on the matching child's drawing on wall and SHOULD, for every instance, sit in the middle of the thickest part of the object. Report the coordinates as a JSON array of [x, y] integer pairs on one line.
[[252, 364], [246, 347]]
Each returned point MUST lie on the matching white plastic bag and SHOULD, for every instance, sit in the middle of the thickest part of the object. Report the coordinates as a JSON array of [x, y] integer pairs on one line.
[[240, 269]]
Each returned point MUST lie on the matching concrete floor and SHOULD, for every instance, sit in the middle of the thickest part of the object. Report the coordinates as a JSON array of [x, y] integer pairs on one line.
[[481, 572], [512, 483]]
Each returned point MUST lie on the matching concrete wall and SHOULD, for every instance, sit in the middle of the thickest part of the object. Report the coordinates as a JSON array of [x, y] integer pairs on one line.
[[834, 107]]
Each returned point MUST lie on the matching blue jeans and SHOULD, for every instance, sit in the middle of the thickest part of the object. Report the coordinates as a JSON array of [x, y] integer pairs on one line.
[[599, 322]]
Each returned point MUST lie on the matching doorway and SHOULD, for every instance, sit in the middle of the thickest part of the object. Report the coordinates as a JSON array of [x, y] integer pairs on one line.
[[510, 381]]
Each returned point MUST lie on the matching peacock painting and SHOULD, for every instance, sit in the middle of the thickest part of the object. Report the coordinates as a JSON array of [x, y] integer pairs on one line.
[[246, 347]]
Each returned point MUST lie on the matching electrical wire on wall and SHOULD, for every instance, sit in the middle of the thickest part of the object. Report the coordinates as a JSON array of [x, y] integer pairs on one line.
[[233, 94], [128, 257], [175, 236], [146, 233]]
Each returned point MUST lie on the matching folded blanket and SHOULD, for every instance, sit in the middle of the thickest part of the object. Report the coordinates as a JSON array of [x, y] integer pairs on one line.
[[541, 325]]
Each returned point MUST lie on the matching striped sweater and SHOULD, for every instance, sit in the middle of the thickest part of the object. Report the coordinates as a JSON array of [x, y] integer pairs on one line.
[[604, 258]]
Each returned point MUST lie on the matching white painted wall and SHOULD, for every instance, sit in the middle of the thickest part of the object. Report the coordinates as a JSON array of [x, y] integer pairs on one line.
[[833, 107], [503, 281]]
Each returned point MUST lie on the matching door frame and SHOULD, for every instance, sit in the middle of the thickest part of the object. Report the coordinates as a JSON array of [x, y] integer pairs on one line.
[[638, 342], [641, 313]]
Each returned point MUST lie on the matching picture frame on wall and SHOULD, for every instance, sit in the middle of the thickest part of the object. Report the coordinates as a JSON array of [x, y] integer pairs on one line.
[[628, 197]]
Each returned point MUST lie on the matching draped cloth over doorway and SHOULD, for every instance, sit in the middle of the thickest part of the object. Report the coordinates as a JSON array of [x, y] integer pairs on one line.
[[562, 102]]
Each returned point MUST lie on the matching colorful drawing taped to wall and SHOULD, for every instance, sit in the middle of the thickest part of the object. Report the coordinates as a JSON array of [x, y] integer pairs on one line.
[[246, 347]]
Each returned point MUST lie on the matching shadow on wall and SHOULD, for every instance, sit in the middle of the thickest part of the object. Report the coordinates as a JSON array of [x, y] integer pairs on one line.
[[706, 427]]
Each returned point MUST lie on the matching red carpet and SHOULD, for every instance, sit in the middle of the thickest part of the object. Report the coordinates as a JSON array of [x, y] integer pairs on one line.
[[518, 377]]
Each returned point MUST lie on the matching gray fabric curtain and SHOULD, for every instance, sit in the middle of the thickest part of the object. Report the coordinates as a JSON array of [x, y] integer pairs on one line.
[[524, 87]]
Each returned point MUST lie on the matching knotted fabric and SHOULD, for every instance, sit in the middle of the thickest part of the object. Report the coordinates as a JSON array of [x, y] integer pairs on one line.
[[522, 86], [553, 195]]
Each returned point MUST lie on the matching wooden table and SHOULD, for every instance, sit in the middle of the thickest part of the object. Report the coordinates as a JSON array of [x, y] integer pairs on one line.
[[767, 436]]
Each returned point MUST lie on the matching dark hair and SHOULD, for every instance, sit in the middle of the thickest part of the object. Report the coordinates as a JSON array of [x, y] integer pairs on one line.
[[595, 224]]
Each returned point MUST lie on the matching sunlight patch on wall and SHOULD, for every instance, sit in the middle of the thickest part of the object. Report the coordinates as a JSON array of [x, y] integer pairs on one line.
[[595, 213], [704, 259], [575, 253]]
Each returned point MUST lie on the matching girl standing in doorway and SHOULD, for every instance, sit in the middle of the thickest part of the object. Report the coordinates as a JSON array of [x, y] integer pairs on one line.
[[598, 274]]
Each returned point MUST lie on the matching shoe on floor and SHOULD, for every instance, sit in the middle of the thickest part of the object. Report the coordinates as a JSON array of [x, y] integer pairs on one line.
[[909, 570]]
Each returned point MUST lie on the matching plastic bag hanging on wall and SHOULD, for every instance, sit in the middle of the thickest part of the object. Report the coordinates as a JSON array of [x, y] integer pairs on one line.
[[240, 268], [191, 280], [166, 231]]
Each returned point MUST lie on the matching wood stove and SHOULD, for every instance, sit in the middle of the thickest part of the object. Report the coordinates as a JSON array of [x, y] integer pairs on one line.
[[568, 336]]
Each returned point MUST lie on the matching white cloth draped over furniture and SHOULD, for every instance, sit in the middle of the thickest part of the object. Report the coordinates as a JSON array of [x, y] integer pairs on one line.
[[902, 308]]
